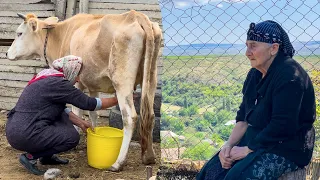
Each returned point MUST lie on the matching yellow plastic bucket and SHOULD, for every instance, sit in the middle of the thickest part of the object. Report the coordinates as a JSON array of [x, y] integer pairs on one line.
[[103, 146]]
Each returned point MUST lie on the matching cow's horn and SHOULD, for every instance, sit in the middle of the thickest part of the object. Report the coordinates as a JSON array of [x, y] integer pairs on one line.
[[22, 16]]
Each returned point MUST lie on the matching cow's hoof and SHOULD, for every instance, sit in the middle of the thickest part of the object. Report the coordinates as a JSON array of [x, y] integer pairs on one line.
[[115, 168], [148, 160]]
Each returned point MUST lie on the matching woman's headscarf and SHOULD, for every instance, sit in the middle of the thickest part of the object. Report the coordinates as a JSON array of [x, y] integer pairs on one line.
[[67, 67], [271, 32]]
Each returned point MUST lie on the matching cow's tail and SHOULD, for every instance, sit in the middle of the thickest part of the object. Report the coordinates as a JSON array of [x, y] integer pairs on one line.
[[153, 37]]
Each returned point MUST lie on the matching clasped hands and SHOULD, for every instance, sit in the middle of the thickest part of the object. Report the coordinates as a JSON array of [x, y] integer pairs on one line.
[[228, 155]]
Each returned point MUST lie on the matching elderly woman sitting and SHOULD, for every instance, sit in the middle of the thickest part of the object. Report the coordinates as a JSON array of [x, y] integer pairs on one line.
[[40, 124], [274, 121]]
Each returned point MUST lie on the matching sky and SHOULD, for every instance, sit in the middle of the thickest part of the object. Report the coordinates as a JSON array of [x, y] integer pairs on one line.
[[226, 21]]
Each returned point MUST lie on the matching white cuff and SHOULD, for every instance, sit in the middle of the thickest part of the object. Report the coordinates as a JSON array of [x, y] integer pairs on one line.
[[67, 110], [99, 104]]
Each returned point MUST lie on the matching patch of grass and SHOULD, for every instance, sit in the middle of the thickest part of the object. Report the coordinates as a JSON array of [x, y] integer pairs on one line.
[[166, 106]]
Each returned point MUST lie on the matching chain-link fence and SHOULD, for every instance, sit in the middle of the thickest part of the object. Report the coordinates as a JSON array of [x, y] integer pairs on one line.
[[205, 66]]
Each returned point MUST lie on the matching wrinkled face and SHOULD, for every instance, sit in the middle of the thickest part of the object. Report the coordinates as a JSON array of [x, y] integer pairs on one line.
[[27, 43], [259, 53]]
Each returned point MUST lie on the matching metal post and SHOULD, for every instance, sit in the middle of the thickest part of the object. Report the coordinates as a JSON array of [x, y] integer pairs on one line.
[[84, 6], [60, 9], [71, 8]]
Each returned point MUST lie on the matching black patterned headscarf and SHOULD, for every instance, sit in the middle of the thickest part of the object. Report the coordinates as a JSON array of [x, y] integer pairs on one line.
[[271, 32]]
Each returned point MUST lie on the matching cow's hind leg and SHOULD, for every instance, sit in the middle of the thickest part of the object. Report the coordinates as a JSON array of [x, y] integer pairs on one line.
[[124, 62], [129, 118]]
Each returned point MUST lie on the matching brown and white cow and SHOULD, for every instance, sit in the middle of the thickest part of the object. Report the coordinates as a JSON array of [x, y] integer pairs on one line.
[[119, 51]]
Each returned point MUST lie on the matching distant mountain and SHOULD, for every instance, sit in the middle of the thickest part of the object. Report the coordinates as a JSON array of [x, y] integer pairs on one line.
[[302, 48]]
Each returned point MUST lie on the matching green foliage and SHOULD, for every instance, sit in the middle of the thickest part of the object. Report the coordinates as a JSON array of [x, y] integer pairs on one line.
[[200, 135], [202, 151], [172, 123], [217, 140], [201, 124], [189, 111], [225, 131], [178, 91], [176, 124], [218, 118], [168, 143]]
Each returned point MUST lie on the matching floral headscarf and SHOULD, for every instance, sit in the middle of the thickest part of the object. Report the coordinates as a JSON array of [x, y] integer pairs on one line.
[[67, 67]]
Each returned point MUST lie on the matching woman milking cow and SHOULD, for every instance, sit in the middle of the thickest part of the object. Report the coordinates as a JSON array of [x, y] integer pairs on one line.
[[40, 124]]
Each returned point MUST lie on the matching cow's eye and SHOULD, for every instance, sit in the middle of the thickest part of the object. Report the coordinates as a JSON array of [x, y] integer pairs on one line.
[[19, 34]]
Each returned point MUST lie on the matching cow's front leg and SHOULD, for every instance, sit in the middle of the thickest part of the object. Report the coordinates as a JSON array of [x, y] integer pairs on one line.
[[129, 118], [78, 111], [93, 115]]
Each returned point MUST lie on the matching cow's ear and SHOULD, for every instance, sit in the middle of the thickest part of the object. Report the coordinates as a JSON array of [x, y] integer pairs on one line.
[[33, 23], [51, 20]]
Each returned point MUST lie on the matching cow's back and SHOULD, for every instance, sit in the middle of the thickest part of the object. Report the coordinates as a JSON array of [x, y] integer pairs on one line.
[[93, 40]]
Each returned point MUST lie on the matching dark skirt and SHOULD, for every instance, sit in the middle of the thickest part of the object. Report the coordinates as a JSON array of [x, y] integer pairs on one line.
[[257, 165]]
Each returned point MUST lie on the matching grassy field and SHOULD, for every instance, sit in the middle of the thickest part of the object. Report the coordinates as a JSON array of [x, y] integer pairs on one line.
[[214, 69], [207, 69]]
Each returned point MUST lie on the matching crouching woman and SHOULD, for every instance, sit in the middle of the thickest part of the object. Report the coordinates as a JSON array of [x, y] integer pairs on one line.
[[40, 124]]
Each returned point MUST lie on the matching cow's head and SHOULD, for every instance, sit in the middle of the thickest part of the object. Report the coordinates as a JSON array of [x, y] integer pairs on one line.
[[29, 39]]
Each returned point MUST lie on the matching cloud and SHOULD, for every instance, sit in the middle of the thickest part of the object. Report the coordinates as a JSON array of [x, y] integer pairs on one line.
[[238, 1], [181, 4], [219, 5], [202, 2]]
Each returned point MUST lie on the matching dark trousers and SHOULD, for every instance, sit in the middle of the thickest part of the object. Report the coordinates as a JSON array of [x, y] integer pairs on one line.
[[51, 139], [60, 137]]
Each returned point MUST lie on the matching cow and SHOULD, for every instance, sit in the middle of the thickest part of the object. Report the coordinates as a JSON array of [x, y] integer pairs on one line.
[[119, 52]]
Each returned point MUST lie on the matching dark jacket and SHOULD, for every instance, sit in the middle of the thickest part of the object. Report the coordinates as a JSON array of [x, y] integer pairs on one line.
[[280, 110]]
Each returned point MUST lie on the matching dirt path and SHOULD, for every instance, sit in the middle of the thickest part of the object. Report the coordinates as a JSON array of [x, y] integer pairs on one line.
[[11, 168]]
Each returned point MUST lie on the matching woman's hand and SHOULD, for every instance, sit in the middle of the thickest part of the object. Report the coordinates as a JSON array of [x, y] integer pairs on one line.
[[108, 102], [224, 156], [84, 125], [81, 123], [238, 153]]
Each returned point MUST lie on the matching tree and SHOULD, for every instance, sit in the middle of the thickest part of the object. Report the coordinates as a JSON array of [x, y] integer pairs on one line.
[[192, 110], [177, 124], [183, 112], [218, 118], [225, 132]]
